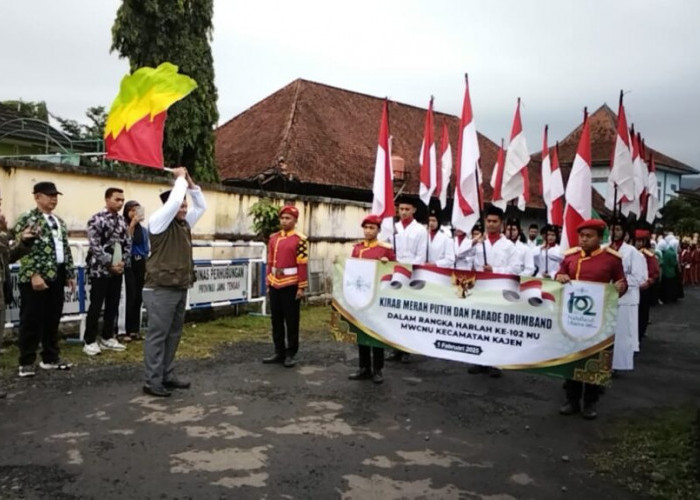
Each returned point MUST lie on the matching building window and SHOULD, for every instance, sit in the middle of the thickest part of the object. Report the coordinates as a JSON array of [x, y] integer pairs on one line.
[[658, 184], [674, 188], [600, 179], [658, 194]]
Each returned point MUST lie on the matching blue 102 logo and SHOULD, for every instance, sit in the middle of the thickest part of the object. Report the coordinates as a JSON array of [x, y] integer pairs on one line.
[[580, 304]]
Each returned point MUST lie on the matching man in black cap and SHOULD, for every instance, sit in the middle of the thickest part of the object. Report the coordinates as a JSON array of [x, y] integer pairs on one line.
[[43, 274]]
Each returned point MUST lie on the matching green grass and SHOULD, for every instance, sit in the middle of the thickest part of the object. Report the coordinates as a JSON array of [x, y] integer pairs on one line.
[[199, 340], [640, 449]]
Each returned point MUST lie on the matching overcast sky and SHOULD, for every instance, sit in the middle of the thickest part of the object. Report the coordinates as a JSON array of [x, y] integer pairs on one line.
[[557, 55]]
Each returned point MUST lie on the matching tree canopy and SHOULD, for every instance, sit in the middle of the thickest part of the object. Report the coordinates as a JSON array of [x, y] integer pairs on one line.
[[682, 215], [150, 32]]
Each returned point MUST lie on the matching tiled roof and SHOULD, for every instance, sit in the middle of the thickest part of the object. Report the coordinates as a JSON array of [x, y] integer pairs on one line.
[[328, 136], [603, 125]]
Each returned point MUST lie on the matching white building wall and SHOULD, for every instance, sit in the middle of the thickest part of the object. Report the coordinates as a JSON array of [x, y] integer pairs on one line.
[[667, 183]]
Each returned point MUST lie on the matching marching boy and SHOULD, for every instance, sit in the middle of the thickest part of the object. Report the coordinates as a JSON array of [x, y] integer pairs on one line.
[[371, 358]]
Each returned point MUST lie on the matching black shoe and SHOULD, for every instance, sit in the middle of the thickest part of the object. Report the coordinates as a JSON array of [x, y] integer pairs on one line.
[[569, 408], [176, 383], [289, 362], [495, 372], [474, 369], [378, 378], [361, 374], [159, 392], [277, 358], [589, 412]]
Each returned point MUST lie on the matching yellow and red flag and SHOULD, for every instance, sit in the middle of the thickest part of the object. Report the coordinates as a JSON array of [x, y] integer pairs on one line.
[[134, 129]]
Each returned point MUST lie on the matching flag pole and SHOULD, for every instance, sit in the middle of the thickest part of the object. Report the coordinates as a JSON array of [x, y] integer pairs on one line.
[[388, 131], [481, 212]]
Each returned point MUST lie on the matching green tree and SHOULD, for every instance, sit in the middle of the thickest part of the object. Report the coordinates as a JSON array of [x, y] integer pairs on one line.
[[266, 221], [682, 215], [97, 117], [150, 32]]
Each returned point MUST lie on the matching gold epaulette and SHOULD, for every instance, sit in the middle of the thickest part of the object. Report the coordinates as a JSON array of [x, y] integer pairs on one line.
[[384, 244], [614, 252], [301, 235], [572, 251]]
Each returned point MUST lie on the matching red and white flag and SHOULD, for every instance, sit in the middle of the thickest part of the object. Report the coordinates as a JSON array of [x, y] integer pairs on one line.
[[383, 186], [652, 194], [555, 212], [578, 189], [641, 176], [427, 159], [516, 183], [621, 179], [546, 175], [465, 209], [444, 166], [497, 179]]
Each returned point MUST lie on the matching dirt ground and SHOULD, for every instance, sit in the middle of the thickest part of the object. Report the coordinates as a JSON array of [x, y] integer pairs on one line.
[[247, 430]]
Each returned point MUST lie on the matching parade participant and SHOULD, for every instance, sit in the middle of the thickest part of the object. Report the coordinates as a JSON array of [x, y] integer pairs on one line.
[[465, 248], [498, 249], [440, 246], [670, 280], [135, 273], [495, 254], [108, 254], [627, 327], [549, 256], [533, 240], [646, 289], [371, 358], [410, 244], [10, 251], [287, 261], [695, 274], [686, 259], [523, 263], [169, 274], [43, 275], [589, 262]]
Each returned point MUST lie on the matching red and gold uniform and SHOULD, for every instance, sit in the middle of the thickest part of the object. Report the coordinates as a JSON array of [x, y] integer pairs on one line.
[[373, 250], [601, 266], [287, 263], [287, 260]]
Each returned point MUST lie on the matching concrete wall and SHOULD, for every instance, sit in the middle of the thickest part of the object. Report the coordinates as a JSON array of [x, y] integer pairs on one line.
[[331, 225]]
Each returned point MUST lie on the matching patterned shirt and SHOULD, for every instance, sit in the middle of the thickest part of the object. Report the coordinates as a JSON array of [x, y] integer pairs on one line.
[[105, 230], [42, 257]]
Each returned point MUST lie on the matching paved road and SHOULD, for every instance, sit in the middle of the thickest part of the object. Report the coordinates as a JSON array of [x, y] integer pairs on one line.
[[249, 430]]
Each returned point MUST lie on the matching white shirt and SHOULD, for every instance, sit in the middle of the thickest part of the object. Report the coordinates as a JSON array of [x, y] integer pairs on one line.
[[411, 243], [548, 261], [441, 250], [635, 266], [57, 236], [465, 253], [161, 218], [499, 256], [523, 262]]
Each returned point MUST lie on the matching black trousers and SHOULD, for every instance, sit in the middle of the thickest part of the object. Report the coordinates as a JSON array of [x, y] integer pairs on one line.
[[645, 299], [39, 316], [134, 277], [284, 309], [371, 357], [103, 291], [574, 391]]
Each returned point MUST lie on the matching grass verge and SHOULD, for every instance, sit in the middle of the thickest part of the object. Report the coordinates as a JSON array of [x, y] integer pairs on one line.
[[655, 456], [199, 340]]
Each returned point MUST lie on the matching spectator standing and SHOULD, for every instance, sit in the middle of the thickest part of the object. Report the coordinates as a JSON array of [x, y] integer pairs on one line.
[[43, 275], [135, 273], [108, 255], [169, 274]]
